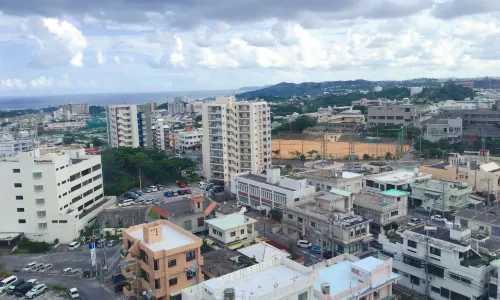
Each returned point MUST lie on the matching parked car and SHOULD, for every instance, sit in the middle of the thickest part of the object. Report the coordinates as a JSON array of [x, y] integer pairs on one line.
[[120, 285], [29, 266], [36, 290], [181, 184], [125, 203], [157, 202], [137, 192], [5, 284], [148, 202], [304, 244], [415, 220], [180, 192], [13, 286], [130, 195], [160, 187], [139, 202], [438, 218], [327, 254], [316, 250], [202, 184], [238, 205], [168, 194], [33, 281], [73, 293], [147, 191], [47, 267], [209, 186], [217, 189], [176, 194], [67, 270], [73, 246], [39, 267], [111, 243], [187, 192], [23, 289]]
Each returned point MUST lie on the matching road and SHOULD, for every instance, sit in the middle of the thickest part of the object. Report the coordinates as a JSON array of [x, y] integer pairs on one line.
[[88, 288]]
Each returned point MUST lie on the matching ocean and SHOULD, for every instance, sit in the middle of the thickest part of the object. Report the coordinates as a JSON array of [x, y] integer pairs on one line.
[[35, 102]]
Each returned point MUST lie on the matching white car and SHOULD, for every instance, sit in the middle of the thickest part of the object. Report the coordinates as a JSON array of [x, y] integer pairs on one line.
[[36, 290], [33, 281], [67, 270], [438, 218], [202, 185], [125, 203], [29, 266], [73, 293], [46, 268], [149, 202], [304, 244], [73, 246]]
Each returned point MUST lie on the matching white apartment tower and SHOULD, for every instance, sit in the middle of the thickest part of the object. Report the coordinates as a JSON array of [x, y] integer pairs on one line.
[[129, 125], [236, 137], [50, 196]]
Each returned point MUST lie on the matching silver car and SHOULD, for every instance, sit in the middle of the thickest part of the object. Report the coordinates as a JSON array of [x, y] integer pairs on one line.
[[36, 290]]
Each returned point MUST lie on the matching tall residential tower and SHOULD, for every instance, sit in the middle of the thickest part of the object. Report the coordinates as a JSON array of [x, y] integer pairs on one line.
[[236, 137], [129, 125]]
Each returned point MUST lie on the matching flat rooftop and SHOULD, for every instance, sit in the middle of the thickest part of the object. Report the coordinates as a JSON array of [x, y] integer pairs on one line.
[[440, 233], [9, 236], [181, 208], [171, 238], [262, 252], [218, 262], [257, 284], [332, 175], [341, 278], [486, 214], [230, 221], [263, 179], [395, 176]]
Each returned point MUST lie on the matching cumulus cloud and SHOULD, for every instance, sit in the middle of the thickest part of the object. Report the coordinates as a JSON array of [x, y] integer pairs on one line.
[[42, 82], [100, 57], [172, 47], [58, 42], [12, 84]]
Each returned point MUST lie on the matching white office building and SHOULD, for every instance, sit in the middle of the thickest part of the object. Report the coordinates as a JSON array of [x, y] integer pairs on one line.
[[129, 125], [269, 191], [188, 139], [440, 263], [276, 279], [393, 180], [236, 137], [50, 196], [10, 146]]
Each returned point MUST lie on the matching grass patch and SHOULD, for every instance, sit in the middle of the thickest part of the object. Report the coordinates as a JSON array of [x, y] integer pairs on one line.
[[60, 287], [28, 246], [153, 214]]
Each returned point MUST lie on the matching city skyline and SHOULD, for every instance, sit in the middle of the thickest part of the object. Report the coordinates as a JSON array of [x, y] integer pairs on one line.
[[95, 48]]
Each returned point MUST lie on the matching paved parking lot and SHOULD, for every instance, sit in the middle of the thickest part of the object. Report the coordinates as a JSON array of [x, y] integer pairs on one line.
[[49, 295]]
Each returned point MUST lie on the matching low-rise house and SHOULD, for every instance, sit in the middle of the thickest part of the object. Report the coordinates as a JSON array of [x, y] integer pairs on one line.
[[262, 252], [375, 167], [328, 221], [448, 129], [325, 180], [386, 209], [393, 180], [276, 279], [221, 262], [269, 191], [440, 263], [233, 231], [440, 197], [162, 258], [348, 277]]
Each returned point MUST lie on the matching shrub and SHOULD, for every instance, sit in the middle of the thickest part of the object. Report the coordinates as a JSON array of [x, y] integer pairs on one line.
[[28, 246], [56, 241]]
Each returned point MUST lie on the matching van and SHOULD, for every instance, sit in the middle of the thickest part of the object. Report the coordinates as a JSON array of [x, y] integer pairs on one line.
[[29, 266], [46, 268], [73, 246], [4, 284], [127, 202], [13, 286], [23, 289], [153, 188]]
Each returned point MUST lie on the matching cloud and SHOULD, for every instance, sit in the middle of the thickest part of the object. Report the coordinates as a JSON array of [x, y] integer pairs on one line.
[[211, 59], [59, 43], [12, 84], [100, 57], [457, 8], [172, 47], [116, 59], [42, 82]]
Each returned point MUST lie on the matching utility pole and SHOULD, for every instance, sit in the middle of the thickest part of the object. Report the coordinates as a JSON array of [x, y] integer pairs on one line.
[[140, 180]]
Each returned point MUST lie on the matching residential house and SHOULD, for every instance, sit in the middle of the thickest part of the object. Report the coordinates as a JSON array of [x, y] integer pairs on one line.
[[233, 230], [325, 180], [393, 180]]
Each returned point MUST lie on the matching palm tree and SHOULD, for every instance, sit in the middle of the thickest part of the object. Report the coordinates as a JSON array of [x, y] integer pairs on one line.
[[388, 156], [277, 153], [288, 168]]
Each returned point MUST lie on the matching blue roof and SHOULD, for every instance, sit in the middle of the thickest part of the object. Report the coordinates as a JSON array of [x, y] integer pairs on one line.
[[368, 264]]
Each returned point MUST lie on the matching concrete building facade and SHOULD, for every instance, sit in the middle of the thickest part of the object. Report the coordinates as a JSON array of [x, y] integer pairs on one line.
[[236, 137], [76, 108], [325, 180], [177, 105], [395, 114], [129, 125], [188, 139], [441, 197], [393, 180], [448, 129], [162, 258], [10, 146], [232, 228], [270, 191], [51, 196]]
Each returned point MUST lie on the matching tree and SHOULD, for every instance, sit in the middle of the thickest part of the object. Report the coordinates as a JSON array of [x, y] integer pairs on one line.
[[277, 153], [276, 214], [69, 139], [388, 156], [288, 168], [310, 154], [366, 156], [302, 158]]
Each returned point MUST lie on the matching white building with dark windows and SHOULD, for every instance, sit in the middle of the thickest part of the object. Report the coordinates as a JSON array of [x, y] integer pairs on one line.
[[10, 146], [129, 125], [236, 137], [393, 180], [269, 191], [51, 196]]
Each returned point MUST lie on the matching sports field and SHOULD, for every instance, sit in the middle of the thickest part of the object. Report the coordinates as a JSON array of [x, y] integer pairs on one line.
[[336, 150]]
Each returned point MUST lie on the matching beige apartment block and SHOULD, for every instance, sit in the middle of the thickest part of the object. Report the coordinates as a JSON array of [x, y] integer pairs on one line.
[[161, 259]]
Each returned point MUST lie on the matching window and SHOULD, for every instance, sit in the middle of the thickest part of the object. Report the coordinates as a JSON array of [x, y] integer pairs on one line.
[[457, 296], [190, 275], [415, 280], [63, 221], [18, 185], [187, 225], [172, 281], [55, 221], [19, 198], [172, 263], [445, 293], [299, 220], [303, 296], [42, 225], [290, 216], [191, 255], [435, 251], [435, 270], [232, 234], [20, 210], [313, 224], [16, 170], [242, 231], [157, 284], [201, 222], [412, 244], [435, 289], [21, 221], [414, 262], [41, 214]]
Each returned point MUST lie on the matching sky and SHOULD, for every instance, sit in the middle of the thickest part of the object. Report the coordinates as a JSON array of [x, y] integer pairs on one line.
[[96, 46]]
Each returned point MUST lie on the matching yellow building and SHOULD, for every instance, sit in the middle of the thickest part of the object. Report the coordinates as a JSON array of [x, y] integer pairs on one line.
[[160, 259]]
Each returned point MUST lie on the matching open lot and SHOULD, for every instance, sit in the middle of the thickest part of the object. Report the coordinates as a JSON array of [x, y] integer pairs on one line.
[[49, 295]]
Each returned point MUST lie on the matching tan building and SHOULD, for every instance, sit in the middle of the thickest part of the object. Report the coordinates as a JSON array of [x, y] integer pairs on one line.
[[161, 259]]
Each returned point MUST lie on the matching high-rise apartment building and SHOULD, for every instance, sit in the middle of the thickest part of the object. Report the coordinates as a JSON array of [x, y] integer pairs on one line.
[[162, 259], [236, 137], [129, 125], [177, 105], [50, 196], [76, 108]]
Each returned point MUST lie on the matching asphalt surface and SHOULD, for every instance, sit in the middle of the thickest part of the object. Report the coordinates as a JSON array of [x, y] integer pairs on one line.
[[88, 288]]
